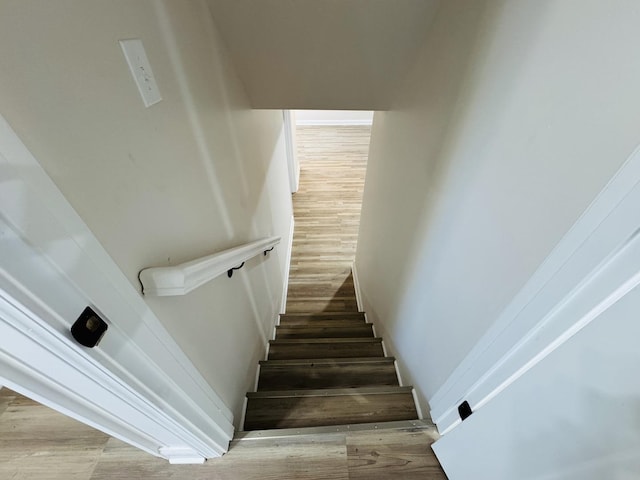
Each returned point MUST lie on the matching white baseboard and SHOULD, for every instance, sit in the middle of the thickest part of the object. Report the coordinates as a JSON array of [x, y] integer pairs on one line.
[[245, 402], [414, 394], [285, 287], [293, 165], [398, 375], [346, 123], [421, 406], [356, 286], [181, 456]]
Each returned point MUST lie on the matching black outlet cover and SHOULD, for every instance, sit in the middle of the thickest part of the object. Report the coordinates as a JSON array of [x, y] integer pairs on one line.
[[89, 328], [464, 410]]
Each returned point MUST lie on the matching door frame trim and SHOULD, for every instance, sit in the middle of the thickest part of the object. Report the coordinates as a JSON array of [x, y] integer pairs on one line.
[[51, 267], [293, 165], [583, 276]]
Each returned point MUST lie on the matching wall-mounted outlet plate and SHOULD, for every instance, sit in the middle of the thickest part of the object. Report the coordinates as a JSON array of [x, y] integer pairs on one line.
[[141, 70]]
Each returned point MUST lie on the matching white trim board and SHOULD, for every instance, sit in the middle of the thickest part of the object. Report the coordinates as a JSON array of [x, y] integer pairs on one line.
[[285, 286], [333, 117], [593, 266], [337, 122], [396, 365], [53, 265], [64, 381], [356, 286], [293, 165]]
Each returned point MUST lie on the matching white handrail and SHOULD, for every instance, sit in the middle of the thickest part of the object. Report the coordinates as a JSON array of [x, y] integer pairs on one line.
[[183, 278]]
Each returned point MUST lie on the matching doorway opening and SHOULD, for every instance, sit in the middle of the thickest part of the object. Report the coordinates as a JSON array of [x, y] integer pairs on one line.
[[332, 148]]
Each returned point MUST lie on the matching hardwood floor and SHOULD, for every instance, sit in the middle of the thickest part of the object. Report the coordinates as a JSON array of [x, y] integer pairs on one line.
[[37, 443], [327, 213]]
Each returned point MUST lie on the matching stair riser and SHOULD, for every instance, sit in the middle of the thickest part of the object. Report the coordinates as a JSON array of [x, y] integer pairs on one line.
[[324, 350], [360, 331], [325, 316], [266, 413], [348, 322], [326, 376], [323, 319], [321, 304]]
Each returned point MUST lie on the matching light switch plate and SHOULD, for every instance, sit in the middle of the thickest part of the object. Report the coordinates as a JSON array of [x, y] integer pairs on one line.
[[141, 70]]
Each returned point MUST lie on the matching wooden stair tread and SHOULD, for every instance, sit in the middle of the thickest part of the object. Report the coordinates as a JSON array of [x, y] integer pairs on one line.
[[296, 341], [336, 304], [286, 409], [323, 319], [345, 322], [323, 316], [330, 392], [299, 331], [283, 351], [316, 375], [325, 361]]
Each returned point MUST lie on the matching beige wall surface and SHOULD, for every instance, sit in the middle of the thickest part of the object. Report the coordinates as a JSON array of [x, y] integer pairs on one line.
[[196, 173], [513, 118], [329, 54]]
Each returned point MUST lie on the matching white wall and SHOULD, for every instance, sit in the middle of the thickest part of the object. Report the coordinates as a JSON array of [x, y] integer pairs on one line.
[[332, 54], [196, 173], [334, 117], [514, 117]]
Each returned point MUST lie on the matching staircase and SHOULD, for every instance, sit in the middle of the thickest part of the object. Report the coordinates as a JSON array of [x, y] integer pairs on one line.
[[326, 369]]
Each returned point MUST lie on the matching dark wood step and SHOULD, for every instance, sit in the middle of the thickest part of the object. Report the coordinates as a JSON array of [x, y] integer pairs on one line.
[[301, 331], [322, 304], [315, 408], [322, 319], [327, 373], [346, 322], [325, 348]]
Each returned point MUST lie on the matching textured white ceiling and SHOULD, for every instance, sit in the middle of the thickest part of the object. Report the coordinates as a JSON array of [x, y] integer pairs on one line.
[[323, 54]]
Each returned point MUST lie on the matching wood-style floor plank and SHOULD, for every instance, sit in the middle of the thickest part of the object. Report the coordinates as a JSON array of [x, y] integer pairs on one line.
[[404, 455], [6, 397], [39, 443], [327, 212], [325, 458]]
